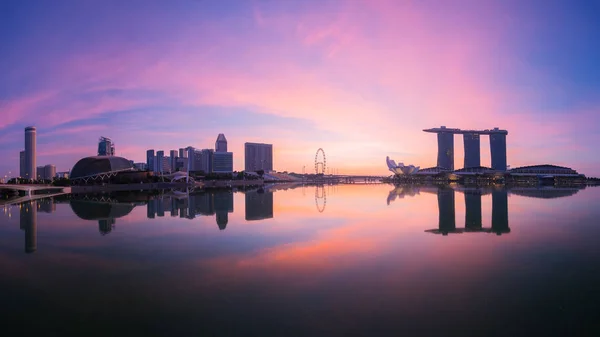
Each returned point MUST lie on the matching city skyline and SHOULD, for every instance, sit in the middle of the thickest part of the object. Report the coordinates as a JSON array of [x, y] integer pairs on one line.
[[300, 76]]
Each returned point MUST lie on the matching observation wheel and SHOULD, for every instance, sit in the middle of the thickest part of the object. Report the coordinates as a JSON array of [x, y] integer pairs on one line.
[[320, 163]]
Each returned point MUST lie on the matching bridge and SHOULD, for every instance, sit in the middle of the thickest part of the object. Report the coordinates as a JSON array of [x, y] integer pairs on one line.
[[32, 192], [348, 179]]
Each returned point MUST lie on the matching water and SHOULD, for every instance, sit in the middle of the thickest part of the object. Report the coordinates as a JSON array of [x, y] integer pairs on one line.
[[369, 260]]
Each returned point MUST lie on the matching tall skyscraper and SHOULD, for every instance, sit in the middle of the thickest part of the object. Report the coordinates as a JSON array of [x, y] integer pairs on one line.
[[207, 156], [222, 160], [160, 155], [445, 150], [472, 150], [30, 155], [106, 147], [193, 159], [258, 157], [498, 150], [221, 143], [182, 153], [173, 160], [22, 169], [150, 159]]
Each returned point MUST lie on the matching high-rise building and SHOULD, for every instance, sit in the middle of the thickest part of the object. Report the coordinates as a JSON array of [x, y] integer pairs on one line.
[[150, 159], [182, 164], [22, 168], [498, 150], [222, 162], [106, 147], [182, 153], [30, 152], [194, 159], [221, 143], [173, 160], [160, 156], [472, 150], [49, 172], [166, 165], [207, 157], [200, 160], [258, 157], [46, 172], [445, 150]]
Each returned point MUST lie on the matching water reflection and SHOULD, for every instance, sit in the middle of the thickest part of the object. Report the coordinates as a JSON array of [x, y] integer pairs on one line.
[[361, 262], [259, 205], [320, 198], [28, 223], [104, 211], [184, 205], [473, 214]]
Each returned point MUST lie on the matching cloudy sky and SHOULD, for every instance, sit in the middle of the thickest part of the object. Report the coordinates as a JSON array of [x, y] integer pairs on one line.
[[359, 78]]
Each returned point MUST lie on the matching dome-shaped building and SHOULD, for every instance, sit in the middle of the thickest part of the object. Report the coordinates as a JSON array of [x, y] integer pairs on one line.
[[99, 168]]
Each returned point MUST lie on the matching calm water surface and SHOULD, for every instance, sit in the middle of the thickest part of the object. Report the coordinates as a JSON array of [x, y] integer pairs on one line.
[[369, 260]]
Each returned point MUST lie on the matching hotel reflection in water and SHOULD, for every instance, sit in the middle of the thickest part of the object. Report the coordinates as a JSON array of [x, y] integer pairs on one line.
[[473, 214]]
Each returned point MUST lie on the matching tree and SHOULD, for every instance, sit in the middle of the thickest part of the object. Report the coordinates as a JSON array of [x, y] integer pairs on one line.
[[260, 172]]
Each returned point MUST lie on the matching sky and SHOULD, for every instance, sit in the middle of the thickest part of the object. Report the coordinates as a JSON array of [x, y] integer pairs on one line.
[[359, 78]]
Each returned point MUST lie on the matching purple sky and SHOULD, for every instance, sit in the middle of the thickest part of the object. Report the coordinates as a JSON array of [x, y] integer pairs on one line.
[[360, 79]]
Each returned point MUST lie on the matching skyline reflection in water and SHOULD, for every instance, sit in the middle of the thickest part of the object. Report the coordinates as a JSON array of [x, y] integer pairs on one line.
[[277, 257]]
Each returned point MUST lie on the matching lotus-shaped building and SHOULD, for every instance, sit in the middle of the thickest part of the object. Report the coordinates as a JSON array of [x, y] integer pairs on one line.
[[400, 169]]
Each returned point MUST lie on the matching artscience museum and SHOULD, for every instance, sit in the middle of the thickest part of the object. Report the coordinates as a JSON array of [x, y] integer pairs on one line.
[[400, 169]]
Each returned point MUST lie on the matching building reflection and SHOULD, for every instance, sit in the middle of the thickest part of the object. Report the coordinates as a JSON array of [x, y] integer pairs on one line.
[[473, 214], [28, 223], [105, 211], [259, 205], [184, 205], [46, 205]]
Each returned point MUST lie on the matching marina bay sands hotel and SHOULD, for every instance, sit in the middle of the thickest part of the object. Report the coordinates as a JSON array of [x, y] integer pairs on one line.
[[445, 136]]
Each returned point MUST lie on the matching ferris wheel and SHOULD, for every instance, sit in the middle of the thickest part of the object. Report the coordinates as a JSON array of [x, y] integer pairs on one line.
[[320, 164]]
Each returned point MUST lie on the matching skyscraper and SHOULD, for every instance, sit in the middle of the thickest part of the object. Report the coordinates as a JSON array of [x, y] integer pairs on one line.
[[498, 150], [150, 159], [258, 157], [30, 155], [472, 150], [221, 143], [160, 155], [445, 150], [206, 161], [182, 153], [222, 160], [22, 168], [49, 172], [173, 160], [106, 147]]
